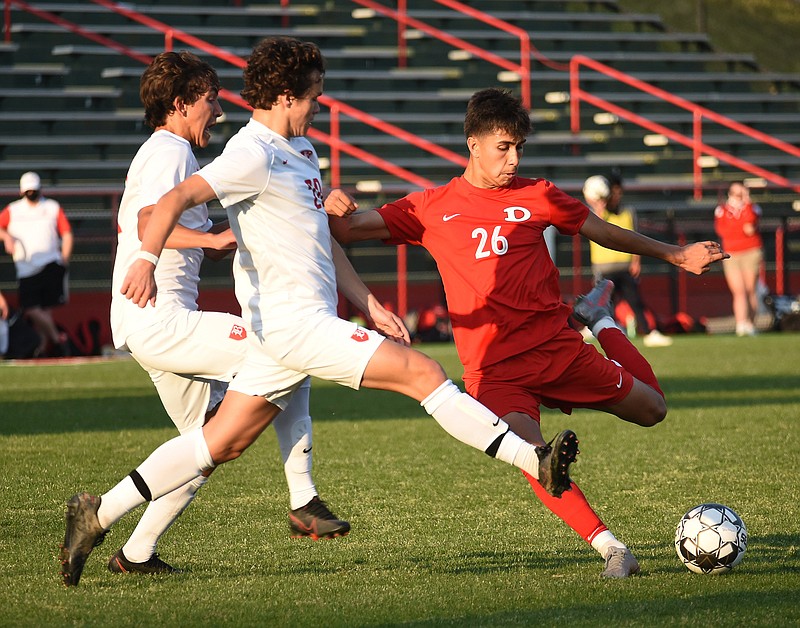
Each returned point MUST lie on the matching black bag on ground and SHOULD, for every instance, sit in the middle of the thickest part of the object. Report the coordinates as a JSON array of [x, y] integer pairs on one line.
[[23, 340], [785, 311]]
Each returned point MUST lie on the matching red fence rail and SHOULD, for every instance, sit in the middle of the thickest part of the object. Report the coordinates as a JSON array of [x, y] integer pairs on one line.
[[521, 69], [699, 114]]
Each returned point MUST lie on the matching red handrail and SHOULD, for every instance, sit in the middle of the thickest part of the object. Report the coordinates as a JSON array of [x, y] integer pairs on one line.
[[522, 69], [699, 113], [337, 107], [177, 34], [333, 140]]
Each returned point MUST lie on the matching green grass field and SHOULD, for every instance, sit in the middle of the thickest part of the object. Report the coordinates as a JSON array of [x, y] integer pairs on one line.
[[442, 535]]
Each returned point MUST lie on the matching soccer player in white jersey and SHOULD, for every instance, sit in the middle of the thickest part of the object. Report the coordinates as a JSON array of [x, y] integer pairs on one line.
[[189, 354], [286, 272]]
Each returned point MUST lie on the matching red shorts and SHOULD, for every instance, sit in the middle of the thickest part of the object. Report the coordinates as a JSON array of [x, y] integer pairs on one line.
[[564, 372]]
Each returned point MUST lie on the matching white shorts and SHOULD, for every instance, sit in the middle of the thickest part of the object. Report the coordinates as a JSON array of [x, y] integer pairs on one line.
[[191, 357], [320, 345]]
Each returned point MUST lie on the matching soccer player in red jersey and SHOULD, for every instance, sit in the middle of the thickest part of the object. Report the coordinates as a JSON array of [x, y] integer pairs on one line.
[[485, 231]]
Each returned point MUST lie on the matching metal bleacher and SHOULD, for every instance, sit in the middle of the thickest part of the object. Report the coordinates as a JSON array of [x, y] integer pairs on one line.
[[69, 107]]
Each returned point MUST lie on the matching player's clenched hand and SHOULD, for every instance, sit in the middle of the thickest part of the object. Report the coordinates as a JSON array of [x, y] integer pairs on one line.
[[340, 203], [224, 240], [140, 283], [698, 257]]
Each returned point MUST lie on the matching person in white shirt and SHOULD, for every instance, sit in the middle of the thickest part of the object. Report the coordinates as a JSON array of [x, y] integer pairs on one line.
[[191, 355], [287, 270], [36, 233]]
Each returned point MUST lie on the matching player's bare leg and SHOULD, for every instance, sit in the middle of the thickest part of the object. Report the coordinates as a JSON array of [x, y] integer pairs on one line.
[[239, 421], [400, 369]]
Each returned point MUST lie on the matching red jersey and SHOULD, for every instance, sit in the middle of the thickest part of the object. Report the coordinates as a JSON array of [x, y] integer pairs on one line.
[[729, 224], [501, 285]]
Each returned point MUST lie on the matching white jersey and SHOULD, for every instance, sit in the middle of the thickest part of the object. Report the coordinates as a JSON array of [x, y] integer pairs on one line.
[[162, 162], [35, 228], [271, 188]]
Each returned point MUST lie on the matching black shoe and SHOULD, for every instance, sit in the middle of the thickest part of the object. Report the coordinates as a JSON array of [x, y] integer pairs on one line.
[[119, 564], [554, 461], [82, 535], [315, 520]]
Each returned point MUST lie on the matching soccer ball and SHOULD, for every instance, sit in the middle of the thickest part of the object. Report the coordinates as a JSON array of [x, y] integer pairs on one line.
[[711, 539]]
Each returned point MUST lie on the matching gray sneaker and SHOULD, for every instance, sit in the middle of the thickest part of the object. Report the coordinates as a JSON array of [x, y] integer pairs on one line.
[[83, 534], [554, 461], [595, 304], [620, 563]]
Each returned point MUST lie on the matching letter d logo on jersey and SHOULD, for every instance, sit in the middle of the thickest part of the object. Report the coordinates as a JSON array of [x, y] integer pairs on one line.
[[238, 333], [360, 335], [517, 214]]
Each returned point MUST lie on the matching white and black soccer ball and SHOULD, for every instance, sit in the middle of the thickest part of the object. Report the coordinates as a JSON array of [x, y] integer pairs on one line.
[[711, 539]]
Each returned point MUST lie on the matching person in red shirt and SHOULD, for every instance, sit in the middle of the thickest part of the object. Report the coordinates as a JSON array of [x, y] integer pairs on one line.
[[736, 224], [485, 231]]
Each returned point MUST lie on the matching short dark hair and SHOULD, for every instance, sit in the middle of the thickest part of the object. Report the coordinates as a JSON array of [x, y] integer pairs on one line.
[[494, 109], [279, 65], [174, 75]]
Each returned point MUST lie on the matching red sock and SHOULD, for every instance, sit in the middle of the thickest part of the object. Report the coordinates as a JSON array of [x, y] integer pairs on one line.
[[572, 508], [621, 350]]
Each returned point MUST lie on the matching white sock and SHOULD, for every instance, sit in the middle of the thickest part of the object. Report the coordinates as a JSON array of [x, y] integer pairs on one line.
[[120, 500], [293, 428], [606, 540], [157, 518], [172, 465], [604, 323], [474, 424]]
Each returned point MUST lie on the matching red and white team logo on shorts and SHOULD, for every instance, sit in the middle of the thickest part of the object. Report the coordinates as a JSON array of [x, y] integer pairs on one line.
[[360, 335], [238, 333]]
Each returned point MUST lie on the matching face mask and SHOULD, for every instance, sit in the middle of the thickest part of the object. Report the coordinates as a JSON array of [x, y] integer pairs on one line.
[[32, 195]]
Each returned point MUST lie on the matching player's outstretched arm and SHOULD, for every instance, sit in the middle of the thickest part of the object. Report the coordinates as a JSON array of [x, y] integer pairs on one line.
[[695, 258], [360, 226], [351, 286]]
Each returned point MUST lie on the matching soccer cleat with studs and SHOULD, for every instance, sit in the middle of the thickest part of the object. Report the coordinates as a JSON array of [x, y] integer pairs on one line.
[[315, 520], [118, 563], [554, 461], [83, 534], [595, 304], [620, 563]]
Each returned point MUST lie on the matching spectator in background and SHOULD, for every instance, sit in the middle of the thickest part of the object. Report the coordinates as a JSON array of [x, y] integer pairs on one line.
[[604, 198], [736, 223], [3, 325], [36, 232]]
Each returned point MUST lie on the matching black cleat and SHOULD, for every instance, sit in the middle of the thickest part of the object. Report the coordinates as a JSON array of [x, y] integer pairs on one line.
[[317, 521], [82, 535], [554, 461], [153, 565]]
